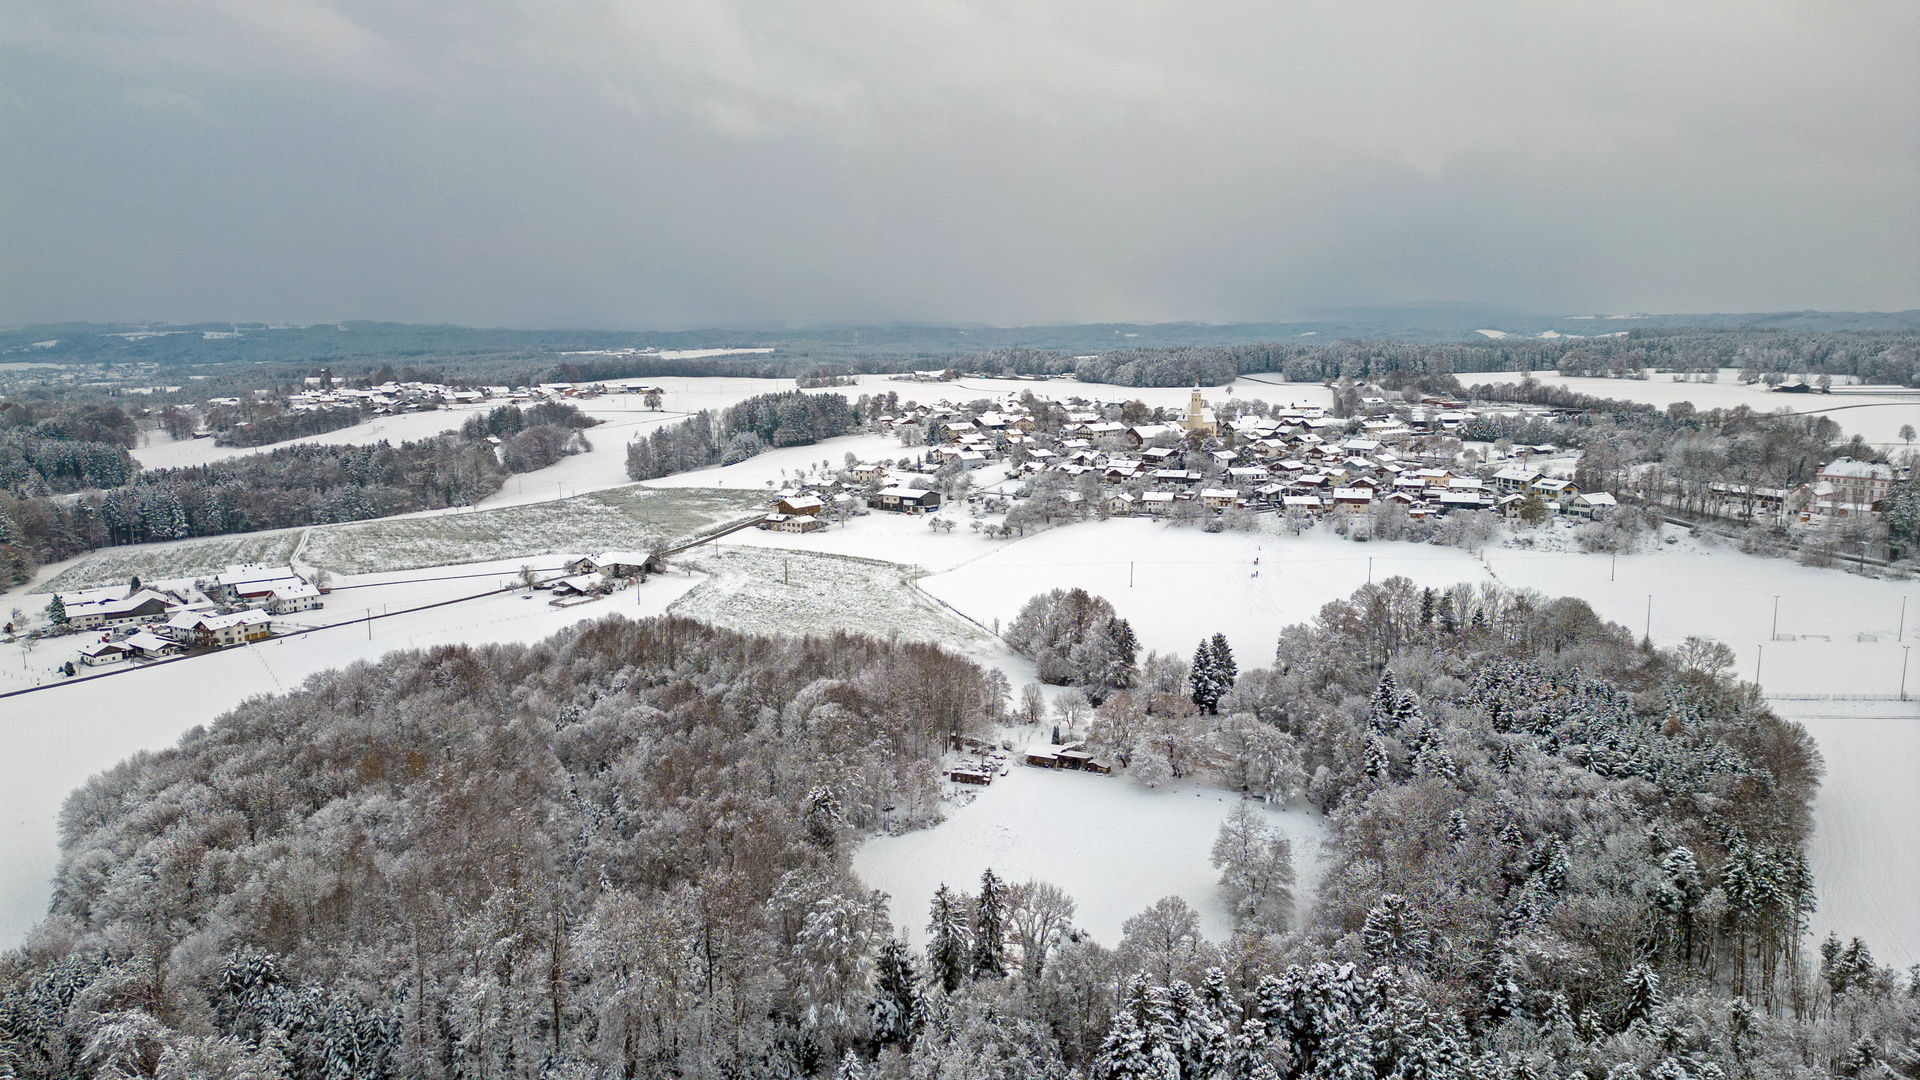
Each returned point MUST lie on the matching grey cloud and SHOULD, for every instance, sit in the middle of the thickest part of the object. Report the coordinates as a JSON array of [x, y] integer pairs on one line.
[[695, 162]]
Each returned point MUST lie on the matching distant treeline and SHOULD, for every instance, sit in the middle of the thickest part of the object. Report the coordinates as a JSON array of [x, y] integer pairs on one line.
[[290, 425], [1876, 356], [741, 431]]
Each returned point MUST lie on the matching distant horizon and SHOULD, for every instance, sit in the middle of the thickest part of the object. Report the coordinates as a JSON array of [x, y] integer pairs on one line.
[[1317, 317]]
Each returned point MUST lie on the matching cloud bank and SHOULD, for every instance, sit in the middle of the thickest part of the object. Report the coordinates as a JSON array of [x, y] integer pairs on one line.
[[701, 162]]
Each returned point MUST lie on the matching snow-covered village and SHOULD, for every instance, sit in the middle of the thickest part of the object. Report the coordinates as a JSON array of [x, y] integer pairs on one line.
[[714, 541]]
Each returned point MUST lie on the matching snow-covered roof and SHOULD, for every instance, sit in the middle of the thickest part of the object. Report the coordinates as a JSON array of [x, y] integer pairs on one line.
[[622, 558], [1857, 470]]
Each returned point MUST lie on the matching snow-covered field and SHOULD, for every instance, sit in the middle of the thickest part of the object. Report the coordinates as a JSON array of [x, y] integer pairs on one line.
[[157, 451], [1867, 823], [1177, 585], [772, 591], [56, 738], [182, 558], [1875, 413], [1112, 844], [622, 519]]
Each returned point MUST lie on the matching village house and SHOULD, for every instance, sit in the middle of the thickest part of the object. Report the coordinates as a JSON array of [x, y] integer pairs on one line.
[[143, 605], [1516, 478], [246, 583], [798, 505], [292, 598], [905, 500], [1857, 484], [1352, 499], [791, 523], [619, 564], [219, 631], [145, 644], [1594, 504], [95, 653]]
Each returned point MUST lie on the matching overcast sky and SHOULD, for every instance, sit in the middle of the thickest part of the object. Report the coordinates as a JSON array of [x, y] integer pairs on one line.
[[698, 162]]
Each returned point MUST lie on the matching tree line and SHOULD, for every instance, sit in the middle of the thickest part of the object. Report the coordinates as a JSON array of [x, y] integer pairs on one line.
[[739, 432], [281, 488]]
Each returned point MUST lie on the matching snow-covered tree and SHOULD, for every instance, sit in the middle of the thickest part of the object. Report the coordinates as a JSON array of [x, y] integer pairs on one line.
[[949, 939], [1255, 861], [989, 957]]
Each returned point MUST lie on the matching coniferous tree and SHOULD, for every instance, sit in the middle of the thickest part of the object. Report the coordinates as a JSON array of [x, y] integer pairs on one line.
[[989, 928], [1205, 689], [948, 950], [57, 610], [1643, 994], [896, 995], [1225, 671]]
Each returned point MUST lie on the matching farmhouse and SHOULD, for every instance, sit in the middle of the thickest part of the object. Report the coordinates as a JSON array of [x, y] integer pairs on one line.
[[905, 500], [791, 523], [219, 631], [580, 585], [144, 605], [146, 643], [292, 598], [618, 564], [798, 505], [250, 582], [95, 653]]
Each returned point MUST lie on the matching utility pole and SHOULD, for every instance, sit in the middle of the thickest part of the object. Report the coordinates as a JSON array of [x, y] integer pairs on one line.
[[1613, 567], [1649, 634], [1756, 663], [1369, 569], [1902, 635], [1906, 653], [1775, 636], [1129, 575]]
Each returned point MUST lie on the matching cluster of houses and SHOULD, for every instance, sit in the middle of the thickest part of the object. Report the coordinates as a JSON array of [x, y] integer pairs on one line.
[[799, 512], [1073, 755], [393, 398], [1843, 490], [598, 575], [139, 622], [1297, 460]]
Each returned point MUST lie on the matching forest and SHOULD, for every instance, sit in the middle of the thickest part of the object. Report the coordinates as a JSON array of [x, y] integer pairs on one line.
[[56, 448], [1555, 852], [281, 488], [739, 432], [267, 428]]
